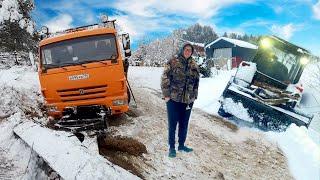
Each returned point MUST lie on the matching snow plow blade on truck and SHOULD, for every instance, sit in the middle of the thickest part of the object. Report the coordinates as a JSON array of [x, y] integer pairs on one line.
[[268, 87]]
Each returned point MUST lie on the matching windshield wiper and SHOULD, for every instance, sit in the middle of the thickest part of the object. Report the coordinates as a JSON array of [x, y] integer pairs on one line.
[[103, 62], [50, 66], [65, 64], [76, 64], [82, 65], [84, 62], [63, 68]]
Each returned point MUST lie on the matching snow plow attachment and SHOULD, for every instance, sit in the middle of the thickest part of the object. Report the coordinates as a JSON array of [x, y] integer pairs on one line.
[[263, 115]]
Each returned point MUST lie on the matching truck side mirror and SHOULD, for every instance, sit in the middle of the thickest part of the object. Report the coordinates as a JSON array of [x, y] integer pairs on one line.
[[126, 45]]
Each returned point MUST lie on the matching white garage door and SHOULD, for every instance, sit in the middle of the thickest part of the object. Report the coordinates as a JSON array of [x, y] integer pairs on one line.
[[222, 53]]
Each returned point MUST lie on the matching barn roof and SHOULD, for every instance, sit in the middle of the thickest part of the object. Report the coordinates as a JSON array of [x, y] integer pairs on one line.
[[235, 42]]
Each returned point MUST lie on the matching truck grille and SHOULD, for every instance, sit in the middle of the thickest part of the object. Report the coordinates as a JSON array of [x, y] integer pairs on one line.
[[77, 94]]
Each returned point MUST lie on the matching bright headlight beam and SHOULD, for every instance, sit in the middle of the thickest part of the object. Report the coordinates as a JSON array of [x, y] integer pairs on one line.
[[304, 60], [265, 43]]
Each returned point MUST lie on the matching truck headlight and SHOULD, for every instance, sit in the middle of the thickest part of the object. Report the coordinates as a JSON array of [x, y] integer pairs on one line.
[[118, 102], [304, 60]]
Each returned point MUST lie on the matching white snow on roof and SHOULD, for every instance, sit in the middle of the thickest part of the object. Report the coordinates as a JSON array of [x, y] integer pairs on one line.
[[197, 44], [194, 43], [235, 42]]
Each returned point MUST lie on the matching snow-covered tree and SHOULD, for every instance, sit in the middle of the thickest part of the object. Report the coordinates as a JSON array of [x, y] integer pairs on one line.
[[199, 34], [251, 39], [157, 52], [16, 26], [233, 36]]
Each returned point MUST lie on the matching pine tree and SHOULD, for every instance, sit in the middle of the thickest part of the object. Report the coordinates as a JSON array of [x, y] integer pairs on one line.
[[245, 37]]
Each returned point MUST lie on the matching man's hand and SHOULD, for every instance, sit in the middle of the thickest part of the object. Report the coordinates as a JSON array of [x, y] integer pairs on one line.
[[166, 99]]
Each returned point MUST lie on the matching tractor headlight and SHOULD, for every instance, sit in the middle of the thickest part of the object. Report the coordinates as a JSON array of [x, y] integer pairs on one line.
[[118, 102], [304, 60], [265, 43]]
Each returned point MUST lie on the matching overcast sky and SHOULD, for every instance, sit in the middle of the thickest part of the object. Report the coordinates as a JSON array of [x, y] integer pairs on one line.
[[294, 20]]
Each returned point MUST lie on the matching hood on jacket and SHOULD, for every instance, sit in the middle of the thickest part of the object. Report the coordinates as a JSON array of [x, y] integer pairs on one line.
[[184, 46]]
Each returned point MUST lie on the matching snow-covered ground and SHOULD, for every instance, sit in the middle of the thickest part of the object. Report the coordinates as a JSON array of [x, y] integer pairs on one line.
[[18, 95], [300, 145], [20, 88]]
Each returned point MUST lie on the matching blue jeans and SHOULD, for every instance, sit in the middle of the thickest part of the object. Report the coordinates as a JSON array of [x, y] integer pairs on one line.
[[177, 113]]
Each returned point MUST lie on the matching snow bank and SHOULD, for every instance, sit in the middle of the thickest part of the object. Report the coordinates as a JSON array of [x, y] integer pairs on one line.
[[15, 154], [19, 92], [310, 102], [20, 77], [66, 154], [210, 90], [302, 152]]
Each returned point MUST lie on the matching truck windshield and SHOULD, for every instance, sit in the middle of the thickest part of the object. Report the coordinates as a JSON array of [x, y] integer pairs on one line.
[[79, 51]]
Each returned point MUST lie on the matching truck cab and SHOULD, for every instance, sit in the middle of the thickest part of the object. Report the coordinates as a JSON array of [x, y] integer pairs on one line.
[[84, 67]]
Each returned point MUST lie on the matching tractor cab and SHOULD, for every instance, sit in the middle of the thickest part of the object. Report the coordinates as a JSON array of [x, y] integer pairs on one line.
[[281, 61]]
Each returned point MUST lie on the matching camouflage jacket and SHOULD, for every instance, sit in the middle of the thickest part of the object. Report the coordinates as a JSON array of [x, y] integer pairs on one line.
[[180, 80]]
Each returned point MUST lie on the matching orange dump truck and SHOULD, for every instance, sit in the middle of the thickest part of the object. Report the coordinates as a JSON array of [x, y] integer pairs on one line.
[[82, 71]]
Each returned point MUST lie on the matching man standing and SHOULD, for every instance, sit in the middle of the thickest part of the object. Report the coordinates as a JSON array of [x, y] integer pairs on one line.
[[179, 84]]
